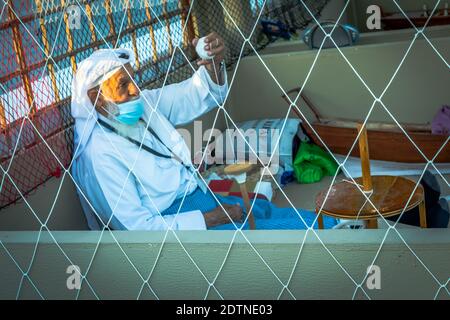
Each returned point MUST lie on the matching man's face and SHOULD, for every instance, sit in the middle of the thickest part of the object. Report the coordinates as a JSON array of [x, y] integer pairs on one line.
[[118, 88]]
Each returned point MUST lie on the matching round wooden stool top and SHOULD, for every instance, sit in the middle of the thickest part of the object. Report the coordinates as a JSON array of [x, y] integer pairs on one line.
[[390, 196]]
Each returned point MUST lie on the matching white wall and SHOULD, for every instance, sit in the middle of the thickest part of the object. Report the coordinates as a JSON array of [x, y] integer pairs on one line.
[[418, 90], [359, 7], [316, 275], [55, 200], [333, 10]]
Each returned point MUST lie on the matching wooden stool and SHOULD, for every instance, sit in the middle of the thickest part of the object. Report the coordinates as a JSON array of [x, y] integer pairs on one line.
[[388, 194], [239, 173]]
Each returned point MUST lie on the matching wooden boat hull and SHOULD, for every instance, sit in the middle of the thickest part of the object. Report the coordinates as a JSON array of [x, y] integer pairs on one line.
[[383, 145], [386, 141]]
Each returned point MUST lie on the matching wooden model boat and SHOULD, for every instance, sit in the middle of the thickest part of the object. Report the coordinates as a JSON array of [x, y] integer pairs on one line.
[[397, 20], [387, 141]]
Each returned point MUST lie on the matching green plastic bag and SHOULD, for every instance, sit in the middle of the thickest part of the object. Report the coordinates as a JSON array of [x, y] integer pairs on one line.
[[312, 163]]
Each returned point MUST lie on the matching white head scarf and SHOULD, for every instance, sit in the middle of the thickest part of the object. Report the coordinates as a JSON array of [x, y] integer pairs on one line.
[[92, 71]]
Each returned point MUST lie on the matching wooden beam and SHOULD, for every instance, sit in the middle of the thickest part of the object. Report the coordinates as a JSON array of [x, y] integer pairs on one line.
[[20, 58], [110, 20], [91, 24], [151, 31], [47, 50], [69, 38], [169, 34], [133, 35], [3, 122], [187, 23]]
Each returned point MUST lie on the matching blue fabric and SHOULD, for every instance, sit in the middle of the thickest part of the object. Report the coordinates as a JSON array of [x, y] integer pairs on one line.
[[131, 111], [267, 215]]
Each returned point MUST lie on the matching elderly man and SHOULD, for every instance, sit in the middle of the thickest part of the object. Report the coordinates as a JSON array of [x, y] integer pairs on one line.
[[132, 168]]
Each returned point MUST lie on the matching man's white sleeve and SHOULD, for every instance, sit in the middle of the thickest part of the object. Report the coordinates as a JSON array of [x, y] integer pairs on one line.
[[120, 191], [185, 101]]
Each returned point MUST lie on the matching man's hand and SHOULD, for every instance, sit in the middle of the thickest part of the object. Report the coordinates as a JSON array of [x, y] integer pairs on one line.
[[214, 46], [218, 217]]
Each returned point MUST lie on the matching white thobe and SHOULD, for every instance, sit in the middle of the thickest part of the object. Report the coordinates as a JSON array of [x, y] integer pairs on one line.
[[129, 187]]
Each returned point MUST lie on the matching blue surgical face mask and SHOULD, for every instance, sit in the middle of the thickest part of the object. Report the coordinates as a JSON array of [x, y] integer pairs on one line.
[[130, 112]]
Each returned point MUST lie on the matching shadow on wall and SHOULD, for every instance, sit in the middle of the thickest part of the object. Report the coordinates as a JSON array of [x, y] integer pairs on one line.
[[55, 201]]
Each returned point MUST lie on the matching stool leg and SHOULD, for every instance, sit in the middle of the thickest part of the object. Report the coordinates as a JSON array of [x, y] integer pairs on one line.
[[251, 218], [423, 214], [320, 221], [372, 224]]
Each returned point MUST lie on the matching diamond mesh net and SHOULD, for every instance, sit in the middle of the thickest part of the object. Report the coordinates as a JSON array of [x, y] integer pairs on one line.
[[42, 41]]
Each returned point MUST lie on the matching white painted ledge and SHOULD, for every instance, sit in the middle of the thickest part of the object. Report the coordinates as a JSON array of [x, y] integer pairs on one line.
[[243, 276]]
